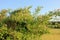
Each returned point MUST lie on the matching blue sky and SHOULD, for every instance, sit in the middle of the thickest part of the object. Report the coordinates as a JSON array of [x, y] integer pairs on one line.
[[15, 4]]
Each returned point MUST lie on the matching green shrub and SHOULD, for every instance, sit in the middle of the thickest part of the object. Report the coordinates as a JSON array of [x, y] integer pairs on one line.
[[21, 25]]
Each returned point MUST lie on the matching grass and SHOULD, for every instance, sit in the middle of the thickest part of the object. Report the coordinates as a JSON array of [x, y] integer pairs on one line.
[[53, 35]]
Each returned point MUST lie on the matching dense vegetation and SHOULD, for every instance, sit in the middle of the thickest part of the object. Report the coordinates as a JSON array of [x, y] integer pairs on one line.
[[22, 24]]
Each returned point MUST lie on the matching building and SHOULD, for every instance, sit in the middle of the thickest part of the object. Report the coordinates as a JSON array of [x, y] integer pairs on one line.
[[55, 22]]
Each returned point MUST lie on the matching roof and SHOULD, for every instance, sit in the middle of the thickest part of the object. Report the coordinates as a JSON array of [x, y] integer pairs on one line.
[[55, 19]]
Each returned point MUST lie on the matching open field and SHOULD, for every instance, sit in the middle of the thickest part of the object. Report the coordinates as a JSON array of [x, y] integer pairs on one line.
[[53, 35]]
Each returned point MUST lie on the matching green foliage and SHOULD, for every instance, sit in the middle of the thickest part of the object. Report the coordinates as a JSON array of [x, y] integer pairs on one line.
[[54, 25], [21, 25]]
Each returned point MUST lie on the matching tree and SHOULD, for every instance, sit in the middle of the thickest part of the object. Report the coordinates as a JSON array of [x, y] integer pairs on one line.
[[21, 24], [55, 12]]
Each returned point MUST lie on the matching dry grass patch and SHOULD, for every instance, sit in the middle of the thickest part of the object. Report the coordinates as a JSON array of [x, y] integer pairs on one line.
[[50, 37], [53, 35]]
